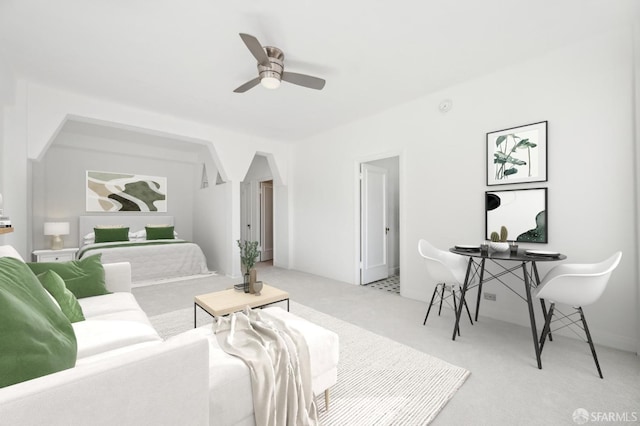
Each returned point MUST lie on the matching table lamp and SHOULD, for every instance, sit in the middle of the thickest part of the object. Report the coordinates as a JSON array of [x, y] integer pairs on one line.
[[56, 230]]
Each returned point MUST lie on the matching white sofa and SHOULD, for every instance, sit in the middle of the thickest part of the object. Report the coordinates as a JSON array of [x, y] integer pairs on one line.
[[125, 374]]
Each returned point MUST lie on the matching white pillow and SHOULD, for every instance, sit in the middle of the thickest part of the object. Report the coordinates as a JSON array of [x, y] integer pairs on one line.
[[10, 251]]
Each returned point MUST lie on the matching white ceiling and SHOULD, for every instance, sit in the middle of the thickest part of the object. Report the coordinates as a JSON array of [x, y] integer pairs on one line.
[[185, 57]]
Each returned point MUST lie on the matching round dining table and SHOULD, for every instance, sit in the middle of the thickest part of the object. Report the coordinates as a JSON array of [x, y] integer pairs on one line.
[[526, 262]]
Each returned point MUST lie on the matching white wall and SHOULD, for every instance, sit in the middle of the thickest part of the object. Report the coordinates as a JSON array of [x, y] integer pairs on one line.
[[258, 170], [40, 112], [585, 92], [16, 189], [263, 167], [210, 224], [636, 114], [60, 195]]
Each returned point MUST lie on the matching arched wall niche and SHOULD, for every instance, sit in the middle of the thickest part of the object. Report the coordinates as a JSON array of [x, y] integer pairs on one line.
[[40, 114], [263, 209]]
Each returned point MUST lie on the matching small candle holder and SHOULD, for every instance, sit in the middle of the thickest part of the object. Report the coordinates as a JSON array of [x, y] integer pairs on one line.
[[513, 247], [484, 248]]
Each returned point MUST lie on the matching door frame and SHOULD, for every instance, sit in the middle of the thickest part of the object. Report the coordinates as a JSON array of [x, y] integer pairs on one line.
[[261, 186], [356, 211]]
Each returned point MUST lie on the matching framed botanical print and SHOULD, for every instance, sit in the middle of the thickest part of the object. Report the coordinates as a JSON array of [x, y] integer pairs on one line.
[[517, 155]]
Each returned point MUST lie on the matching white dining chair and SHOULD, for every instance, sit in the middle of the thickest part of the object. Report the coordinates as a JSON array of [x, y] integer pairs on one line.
[[576, 285], [448, 270]]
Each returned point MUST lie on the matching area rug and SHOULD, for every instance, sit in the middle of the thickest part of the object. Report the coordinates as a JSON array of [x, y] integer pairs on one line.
[[380, 381]]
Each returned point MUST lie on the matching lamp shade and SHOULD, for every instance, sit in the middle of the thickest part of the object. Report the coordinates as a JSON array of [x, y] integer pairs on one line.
[[270, 82], [56, 228]]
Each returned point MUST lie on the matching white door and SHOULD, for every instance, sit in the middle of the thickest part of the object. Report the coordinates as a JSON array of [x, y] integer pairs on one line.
[[266, 220], [373, 222]]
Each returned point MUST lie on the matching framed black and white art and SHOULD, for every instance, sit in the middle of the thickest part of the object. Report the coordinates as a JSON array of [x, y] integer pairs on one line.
[[522, 211], [517, 155]]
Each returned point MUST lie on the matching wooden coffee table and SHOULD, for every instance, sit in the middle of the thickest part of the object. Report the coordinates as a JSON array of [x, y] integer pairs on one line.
[[225, 302]]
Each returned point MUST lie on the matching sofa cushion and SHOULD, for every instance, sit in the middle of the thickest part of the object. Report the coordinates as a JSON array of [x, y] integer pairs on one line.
[[109, 303], [37, 338], [84, 277], [99, 336], [66, 300], [133, 315]]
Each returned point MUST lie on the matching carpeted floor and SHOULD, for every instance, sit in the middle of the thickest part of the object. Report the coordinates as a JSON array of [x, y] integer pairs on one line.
[[506, 387], [380, 381]]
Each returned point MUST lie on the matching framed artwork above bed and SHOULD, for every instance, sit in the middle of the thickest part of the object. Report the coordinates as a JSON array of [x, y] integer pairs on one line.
[[124, 192]]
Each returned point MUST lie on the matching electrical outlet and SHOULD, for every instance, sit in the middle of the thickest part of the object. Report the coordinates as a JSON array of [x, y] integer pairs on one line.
[[490, 296]]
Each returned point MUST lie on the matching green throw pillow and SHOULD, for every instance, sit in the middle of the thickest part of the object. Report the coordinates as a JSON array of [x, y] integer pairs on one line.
[[37, 339], [159, 233], [84, 277], [54, 284], [110, 235]]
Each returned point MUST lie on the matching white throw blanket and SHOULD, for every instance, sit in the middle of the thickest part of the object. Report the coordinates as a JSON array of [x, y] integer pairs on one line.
[[278, 359]]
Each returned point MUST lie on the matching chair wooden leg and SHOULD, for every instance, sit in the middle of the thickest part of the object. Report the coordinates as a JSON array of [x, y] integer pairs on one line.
[[593, 349], [547, 326], [326, 399], [433, 296]]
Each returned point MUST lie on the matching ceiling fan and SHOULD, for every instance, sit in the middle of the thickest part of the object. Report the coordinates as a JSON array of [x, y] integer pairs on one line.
[[271, 68]]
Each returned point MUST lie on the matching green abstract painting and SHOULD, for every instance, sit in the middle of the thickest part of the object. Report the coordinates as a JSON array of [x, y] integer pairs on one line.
[[123, 192]]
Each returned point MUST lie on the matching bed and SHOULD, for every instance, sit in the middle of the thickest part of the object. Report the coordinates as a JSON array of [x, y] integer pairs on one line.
[[151, 260]]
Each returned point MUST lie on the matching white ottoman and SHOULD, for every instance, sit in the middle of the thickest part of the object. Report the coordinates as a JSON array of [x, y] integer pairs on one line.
[[323, 350]]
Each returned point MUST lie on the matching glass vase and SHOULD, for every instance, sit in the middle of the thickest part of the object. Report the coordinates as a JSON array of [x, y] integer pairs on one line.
[[246, 282]]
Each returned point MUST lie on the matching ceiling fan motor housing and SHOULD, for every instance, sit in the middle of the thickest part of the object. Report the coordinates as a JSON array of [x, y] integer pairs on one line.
[[276, 60]]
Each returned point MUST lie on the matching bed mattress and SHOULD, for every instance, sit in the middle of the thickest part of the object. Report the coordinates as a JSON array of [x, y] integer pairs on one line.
[[152, 260]]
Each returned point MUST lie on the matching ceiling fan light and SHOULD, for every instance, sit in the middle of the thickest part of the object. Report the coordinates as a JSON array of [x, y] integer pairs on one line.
[[270, 82]]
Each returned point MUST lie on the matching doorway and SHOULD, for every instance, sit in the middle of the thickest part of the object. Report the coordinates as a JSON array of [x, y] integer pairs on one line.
[[257, 207], [380, 224]]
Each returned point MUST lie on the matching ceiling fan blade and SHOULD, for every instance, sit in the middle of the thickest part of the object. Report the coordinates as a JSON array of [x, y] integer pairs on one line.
[[303, 80], [248, 85], [256, 49]]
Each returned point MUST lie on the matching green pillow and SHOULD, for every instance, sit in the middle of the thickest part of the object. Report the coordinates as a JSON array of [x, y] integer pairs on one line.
[[54, 284], [37, 339], [159, 233], [84, 277], [110, 235]]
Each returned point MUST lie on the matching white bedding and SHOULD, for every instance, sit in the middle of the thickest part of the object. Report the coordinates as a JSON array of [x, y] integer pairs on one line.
[[151, 261]]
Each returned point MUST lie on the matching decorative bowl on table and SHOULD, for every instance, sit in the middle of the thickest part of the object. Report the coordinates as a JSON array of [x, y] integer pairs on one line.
[[499, 246]]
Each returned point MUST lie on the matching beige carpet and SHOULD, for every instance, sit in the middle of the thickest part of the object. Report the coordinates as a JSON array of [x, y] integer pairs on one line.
[[380, 381]]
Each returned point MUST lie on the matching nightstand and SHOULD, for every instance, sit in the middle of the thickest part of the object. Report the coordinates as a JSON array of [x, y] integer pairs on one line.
[[62, 255]]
